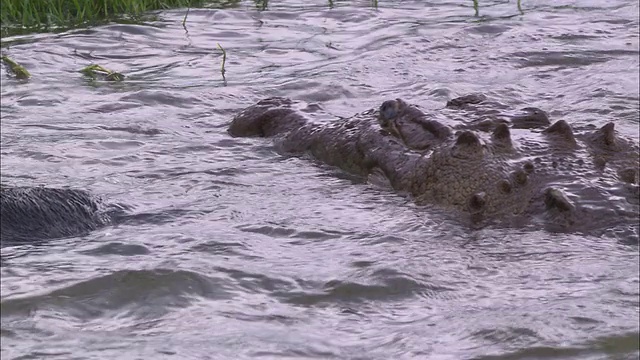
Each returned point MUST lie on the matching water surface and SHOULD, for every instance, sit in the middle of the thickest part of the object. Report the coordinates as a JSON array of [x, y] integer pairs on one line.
[[240, 253]]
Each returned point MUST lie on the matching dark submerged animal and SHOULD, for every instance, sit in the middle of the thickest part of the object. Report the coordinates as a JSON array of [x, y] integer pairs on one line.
[[30, 214], [518, 170]]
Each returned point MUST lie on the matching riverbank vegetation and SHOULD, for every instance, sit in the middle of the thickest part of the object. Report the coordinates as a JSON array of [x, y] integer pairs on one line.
[[42, 15], [19, 16]]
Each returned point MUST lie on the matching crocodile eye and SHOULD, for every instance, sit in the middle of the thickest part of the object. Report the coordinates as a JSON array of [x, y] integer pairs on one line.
[[389, 109]]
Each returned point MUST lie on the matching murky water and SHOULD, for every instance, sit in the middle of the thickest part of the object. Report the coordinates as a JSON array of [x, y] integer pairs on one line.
[[242, 253]]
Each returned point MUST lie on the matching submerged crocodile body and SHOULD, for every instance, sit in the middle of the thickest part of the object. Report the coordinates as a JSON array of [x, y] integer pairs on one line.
[[29, 214], [519, 170]]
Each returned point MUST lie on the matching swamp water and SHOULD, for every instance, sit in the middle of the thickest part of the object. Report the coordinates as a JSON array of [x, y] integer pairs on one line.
[[241, 253]]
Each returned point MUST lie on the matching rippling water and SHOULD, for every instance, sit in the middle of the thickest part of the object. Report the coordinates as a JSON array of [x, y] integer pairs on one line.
[[237, 252]]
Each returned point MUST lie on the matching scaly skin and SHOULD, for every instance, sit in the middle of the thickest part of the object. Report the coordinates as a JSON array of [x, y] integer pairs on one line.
[[520, 170]]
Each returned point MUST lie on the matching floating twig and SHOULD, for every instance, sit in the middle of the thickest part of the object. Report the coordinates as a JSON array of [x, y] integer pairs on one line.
[[184, 21], [224, 59]]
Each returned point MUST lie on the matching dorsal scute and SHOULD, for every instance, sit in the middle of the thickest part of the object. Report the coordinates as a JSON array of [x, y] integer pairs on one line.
[[502, 132], [501, 135], [563, 129], [468, 138], [607, 134], [477, 202]]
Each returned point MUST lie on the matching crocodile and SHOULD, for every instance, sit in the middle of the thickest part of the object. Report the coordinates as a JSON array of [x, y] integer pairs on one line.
[[31, 214], [468, 158]]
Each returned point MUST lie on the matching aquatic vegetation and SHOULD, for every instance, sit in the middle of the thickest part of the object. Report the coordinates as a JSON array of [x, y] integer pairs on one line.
[[96, 71], [262, 4], [184, 20], [476, 7], [93, 71], [18, 70], [41, 15], [224, 59]]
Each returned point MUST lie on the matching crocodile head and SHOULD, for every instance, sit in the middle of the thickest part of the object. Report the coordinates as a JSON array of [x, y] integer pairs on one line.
[[411, 125]]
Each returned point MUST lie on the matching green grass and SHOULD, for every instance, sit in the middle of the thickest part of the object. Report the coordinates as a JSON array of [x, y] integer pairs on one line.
[[41, 15]]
